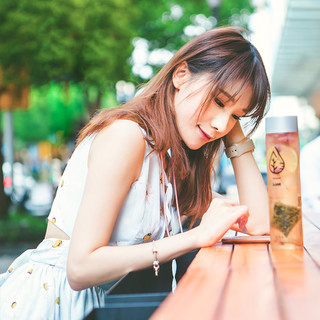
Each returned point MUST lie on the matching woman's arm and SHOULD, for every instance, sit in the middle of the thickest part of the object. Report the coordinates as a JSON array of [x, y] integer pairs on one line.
[[251, 187], [115, 162]]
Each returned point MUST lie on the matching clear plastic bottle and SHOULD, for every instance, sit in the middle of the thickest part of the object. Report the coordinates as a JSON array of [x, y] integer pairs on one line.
[[283, 180]]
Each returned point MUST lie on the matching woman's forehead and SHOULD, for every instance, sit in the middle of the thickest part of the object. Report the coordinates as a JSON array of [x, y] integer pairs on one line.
[[233, 91]]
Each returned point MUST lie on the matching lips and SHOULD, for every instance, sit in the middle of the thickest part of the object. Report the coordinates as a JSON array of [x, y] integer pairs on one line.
[[204, 135]]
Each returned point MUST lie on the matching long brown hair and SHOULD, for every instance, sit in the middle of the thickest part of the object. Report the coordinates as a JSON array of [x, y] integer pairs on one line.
[[225, 55]]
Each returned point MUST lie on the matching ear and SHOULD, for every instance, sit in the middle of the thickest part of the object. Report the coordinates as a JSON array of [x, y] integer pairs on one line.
[[180, 75]]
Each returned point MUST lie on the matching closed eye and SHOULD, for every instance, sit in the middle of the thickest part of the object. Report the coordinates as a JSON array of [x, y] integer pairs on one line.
[[219, 102], [236, 117]]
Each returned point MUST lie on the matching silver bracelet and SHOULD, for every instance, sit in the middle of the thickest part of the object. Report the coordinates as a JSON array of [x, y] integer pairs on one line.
[[156, 264], [238, 149]]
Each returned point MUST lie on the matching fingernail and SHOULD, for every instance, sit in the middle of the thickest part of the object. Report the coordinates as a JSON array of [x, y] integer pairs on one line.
[[244, 229]]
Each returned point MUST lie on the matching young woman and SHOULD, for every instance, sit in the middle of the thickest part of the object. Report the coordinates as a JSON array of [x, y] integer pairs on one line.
[[136, 169]]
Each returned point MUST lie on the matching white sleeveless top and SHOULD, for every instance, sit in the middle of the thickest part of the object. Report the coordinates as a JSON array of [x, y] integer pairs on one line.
[[141, 216]]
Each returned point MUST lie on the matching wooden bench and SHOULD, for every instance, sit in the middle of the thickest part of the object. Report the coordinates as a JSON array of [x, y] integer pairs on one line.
[[250, 282]]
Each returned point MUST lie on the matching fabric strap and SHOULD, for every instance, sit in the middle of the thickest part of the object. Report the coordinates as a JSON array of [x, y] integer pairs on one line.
[[174, 262]]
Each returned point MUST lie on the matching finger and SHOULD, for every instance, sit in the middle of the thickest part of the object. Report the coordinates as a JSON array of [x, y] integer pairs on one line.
[[244, 229], [242, 221], [241, 210]]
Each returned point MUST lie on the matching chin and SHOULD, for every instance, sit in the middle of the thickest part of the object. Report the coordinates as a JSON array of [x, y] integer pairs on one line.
[[194, 146]]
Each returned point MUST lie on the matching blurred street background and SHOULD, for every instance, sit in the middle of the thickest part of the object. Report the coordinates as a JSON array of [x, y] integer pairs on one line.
[[63, 60]]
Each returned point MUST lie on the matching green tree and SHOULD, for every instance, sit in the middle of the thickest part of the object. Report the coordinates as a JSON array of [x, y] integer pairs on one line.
[[163, 26], [54, 114], [34, 37], [171, 23], [104, 33], [79, 41]]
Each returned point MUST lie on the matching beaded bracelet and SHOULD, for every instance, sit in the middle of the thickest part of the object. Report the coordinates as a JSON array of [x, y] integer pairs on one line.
[[156, 264]]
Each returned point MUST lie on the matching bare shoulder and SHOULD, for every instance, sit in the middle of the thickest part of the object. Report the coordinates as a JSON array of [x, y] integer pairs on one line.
[[125, 134], [121, 129], [122, 142]]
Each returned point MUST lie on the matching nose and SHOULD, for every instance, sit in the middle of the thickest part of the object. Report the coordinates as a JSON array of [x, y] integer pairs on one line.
[[220, 122]]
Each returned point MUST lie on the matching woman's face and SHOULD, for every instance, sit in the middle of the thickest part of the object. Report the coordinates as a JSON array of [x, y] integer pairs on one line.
[[198, 127]]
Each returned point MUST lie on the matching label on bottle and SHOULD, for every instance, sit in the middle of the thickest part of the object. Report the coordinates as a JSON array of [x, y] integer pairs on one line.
[[285, 217]]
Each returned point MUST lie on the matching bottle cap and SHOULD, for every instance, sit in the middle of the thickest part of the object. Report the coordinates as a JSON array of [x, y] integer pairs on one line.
[[281, 124]]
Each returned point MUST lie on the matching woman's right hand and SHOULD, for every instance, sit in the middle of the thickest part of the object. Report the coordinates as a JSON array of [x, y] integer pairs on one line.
[[219, 218]]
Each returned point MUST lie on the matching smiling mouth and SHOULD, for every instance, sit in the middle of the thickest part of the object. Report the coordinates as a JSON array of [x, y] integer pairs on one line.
[[204, 134]]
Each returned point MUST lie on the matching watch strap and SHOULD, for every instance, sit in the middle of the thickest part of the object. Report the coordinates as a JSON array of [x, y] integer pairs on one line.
[[237, 149]]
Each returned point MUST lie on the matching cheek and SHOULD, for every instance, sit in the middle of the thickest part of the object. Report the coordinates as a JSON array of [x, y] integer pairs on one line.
[[204, 113], [231, 123], [186, 110], [192, 114]]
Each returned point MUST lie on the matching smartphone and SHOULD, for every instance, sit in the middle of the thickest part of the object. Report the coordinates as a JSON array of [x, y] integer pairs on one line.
[[246, 239]]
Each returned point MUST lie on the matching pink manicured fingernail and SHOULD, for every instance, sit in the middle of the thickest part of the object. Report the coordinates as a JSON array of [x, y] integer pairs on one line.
[[244, 229]]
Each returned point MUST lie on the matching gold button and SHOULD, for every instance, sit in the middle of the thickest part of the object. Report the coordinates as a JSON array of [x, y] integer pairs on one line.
[[53, 220], [10, 270], [147, 237], [61, 183], [45, 286], [57, 300], [57, 244], [30, 271], [13, 305]]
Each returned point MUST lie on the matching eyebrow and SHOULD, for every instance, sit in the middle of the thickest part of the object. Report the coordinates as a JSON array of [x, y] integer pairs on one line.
[[227, 94]]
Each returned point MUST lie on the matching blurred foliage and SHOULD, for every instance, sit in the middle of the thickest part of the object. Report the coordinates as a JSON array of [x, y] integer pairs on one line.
[[21, 227], [163, 26], [54, 114], [235, 12], [34, 36], [70, 40], [86, 46], [89, 41]]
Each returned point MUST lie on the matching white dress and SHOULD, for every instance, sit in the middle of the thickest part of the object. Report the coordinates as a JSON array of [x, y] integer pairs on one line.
[[35, 286]]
